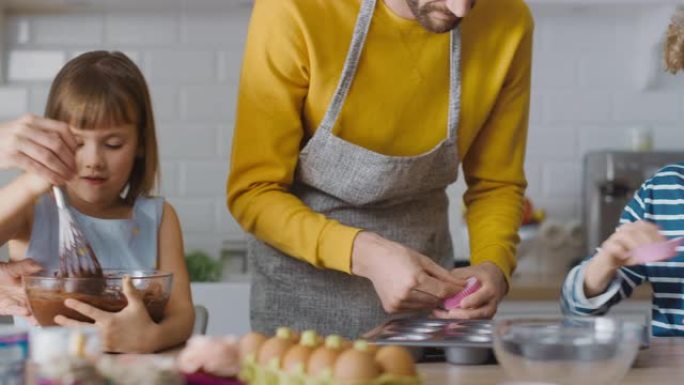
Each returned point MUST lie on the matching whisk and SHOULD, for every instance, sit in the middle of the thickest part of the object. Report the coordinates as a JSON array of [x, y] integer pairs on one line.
[[76, 257]]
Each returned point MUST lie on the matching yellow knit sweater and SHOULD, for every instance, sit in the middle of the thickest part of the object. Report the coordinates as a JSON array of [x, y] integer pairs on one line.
[[293, 59]]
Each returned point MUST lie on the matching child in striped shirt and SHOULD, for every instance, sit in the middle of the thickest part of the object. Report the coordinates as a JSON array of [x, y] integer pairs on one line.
[[656, 213]]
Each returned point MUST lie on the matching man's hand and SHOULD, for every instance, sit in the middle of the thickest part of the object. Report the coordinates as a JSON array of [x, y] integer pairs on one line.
[[404, 279], [483, 303]]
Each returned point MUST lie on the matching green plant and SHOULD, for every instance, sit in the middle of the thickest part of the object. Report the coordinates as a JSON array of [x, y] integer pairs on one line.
[[202, 267]]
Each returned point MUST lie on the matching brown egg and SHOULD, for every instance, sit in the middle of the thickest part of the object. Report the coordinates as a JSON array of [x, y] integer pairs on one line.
[[294, 336], [356, 364], [396, 360], [325, 356], [250, 344], [297, 356], [275, 347], [371, 348]]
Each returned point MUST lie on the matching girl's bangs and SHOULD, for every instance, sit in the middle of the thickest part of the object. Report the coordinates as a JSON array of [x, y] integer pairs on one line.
[[96, 107]]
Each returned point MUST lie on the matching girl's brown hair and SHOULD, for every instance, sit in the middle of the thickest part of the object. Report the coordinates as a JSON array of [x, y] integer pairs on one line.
[[102, 88], [674, 43]]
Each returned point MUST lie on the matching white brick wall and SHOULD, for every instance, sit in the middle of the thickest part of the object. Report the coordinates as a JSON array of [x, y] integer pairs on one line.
[[585, 95]]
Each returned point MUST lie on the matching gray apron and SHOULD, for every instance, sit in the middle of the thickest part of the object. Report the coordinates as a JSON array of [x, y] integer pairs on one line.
[[402, 198]]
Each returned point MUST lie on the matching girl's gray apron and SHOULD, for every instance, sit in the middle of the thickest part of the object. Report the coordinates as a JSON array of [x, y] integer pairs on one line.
[[401, 198]]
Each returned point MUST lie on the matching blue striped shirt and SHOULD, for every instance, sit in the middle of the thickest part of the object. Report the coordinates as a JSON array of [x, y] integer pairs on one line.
[[660, 200]]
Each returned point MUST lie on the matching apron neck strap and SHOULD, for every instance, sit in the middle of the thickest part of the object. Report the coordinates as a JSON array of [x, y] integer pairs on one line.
[[363, 22], [361, 28]]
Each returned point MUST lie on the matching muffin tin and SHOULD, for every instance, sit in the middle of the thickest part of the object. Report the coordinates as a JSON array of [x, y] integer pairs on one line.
[[464, 342]]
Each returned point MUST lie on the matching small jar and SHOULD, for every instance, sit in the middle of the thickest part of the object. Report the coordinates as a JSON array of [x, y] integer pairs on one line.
[[642, 139]]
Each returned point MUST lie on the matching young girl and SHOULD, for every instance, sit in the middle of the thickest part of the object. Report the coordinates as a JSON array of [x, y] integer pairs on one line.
[[655, 213], [98, 141]]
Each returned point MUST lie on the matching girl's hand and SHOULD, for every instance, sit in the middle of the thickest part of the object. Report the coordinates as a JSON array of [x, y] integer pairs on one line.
[[127, 331], [483, 303], [40, 146], [404, 279], [616, 252]]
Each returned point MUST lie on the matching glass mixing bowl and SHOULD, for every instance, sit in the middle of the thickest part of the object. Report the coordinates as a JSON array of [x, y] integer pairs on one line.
[[572, 351], [46, 293]]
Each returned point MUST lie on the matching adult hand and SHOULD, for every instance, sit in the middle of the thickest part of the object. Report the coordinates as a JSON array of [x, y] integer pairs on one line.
[[40, 146], [126, 331], [12, 271], [404, 279], [13, 300], [483, 303], [616, 252]]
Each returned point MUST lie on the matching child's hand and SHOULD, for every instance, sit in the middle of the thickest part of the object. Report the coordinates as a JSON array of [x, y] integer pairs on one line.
[[616, 252], [41, 146], [126, 331]]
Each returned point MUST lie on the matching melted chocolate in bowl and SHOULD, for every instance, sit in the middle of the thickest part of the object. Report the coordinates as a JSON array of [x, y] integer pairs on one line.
[[46, 295]]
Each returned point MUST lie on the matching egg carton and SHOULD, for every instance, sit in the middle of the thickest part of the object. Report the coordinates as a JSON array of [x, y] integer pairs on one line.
[[461, 342]]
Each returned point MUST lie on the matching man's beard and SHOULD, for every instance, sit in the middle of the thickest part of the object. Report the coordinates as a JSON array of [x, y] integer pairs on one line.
[[422, 14]]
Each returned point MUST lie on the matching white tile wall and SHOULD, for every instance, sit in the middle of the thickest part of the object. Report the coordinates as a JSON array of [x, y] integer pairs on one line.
[[71, 30], [585, 95], [34, 65], [13, 100], [142, 30]]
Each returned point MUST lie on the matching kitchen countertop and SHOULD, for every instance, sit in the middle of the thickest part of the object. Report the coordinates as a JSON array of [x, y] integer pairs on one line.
[[548, 287], [661, 364]]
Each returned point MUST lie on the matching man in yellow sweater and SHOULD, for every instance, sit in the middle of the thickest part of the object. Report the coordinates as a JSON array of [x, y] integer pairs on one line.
[[353, 117]]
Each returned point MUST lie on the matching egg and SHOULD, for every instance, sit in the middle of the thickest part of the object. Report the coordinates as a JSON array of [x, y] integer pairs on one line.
[[297, 357], [356, 364], [396, 360], [324, 357], [274, 348], [250, 344]]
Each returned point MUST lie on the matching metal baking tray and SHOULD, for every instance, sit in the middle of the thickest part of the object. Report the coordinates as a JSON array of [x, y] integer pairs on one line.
[[464, 342]]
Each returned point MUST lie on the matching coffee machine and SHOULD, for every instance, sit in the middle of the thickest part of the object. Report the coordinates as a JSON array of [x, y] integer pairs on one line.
[[610, 180]]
